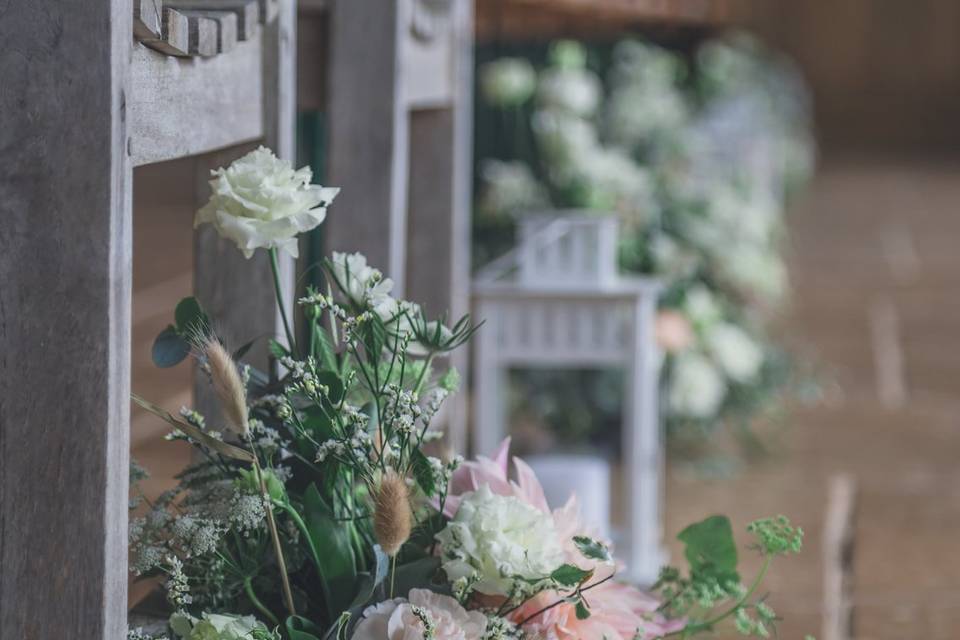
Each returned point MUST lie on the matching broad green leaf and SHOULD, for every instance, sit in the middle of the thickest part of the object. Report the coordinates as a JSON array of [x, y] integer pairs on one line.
[[374, 336], [190, 318], [299, 628], [219, 446], [710, 546], [334, 558], [323, 349], [570, 575], [423, 472], [333, 384], [419, 574], [169, 348], [277, 350], [592, 549]]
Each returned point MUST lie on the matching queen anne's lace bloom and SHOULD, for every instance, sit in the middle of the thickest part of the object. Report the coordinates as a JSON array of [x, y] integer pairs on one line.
[[425, 615], [259, 201]]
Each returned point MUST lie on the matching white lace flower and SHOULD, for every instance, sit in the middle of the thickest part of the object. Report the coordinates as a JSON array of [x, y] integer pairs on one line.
[[497, 538], [735, 351], [259, 201], [696, 387], [424, 615]]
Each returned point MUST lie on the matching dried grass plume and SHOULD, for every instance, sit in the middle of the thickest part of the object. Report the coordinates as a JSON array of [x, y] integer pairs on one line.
[[391, 517], [227, 384]]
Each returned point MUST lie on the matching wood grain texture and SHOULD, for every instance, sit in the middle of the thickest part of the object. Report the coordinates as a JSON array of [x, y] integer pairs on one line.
[[65, 249], [147, 19], [838, 547], [220, 97], [203, 34], [368, 132]]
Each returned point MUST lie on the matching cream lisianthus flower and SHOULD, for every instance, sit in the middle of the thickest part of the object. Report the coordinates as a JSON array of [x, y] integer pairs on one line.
[[425, 614], [363, 284], [260, 202], [496, 539]]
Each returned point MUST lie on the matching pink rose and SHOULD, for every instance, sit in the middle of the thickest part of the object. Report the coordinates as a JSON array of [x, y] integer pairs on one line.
[[409, 619], [673, 331]]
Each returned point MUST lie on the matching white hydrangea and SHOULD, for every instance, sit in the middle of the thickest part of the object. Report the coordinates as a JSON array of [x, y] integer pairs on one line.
[[562, 138], [510, 187], [697, 388], [701, 306], [507, 81], [495, 538], [574, 91], [737, 353], [758, 272], [259, 201]]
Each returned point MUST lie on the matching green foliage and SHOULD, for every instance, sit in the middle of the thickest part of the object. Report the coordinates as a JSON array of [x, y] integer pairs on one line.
[[172, 346], [776, 536], [570, 575], [592, 549], [710, 549], [334, 554]]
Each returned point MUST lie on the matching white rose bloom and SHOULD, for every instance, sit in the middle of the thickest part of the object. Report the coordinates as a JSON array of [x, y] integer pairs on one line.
[[259, 201], [494, 537], [575, 91], [735, 351], [696, 387], [756, 271], [507, 81], [701, 306], [424, 615]]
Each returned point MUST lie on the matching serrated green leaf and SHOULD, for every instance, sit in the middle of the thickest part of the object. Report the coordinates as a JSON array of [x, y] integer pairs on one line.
[[169, 349], [710, 546], [592, 549], [570, 575], [423, 472]]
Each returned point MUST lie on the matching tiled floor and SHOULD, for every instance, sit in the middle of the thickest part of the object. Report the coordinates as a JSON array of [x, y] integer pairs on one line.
[[876, 275]]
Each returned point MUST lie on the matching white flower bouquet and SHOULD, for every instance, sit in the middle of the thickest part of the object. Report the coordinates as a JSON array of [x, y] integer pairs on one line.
[[316, 511], [697, 160]]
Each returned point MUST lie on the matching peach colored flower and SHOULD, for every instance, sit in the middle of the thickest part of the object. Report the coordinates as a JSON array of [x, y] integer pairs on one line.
[[673, 331]]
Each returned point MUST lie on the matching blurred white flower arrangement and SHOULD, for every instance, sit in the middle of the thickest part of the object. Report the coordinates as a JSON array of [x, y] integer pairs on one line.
[[699, 157]]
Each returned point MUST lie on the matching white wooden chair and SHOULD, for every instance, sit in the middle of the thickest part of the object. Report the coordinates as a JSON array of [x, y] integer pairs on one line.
[[557, 301]]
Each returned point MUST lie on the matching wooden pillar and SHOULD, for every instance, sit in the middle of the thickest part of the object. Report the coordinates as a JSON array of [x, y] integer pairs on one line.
[[400, 114], [65, 246]]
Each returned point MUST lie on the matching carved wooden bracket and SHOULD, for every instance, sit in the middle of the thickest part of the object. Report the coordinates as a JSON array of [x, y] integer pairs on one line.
[[205, 28]]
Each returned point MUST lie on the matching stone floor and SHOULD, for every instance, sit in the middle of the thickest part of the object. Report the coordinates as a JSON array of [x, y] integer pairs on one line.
[[876, 278]]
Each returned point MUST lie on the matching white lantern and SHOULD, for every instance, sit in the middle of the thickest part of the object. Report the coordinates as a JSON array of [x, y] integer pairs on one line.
[[557, 301]]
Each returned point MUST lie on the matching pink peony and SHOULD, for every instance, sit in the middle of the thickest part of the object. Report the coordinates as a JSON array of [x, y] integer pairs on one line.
[[618, 611], [400, 619], [673, 331]]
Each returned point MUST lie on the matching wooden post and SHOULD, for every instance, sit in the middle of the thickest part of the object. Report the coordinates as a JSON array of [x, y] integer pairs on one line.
[[400, 114], [65, 247], [838, 545]]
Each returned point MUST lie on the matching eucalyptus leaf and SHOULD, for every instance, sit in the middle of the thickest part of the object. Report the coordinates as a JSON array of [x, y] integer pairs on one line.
[[190, 318], [169, 349]]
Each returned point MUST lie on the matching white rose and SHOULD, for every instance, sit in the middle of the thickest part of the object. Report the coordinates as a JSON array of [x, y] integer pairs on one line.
[[259, 201], [757, 272], [735, 351], [696, 387], [425, 614], [701, 306], [507, 81], [497, 538]]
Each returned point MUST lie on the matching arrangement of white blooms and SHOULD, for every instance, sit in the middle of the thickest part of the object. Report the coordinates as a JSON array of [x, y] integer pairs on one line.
[[697, 160], [322, 507]]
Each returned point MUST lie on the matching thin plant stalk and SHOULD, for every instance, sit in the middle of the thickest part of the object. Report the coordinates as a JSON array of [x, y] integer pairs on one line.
[[275, 267], [278, 550]]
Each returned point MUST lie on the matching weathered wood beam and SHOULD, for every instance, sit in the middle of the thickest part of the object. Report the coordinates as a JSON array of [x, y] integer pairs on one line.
[[247, 12], [65, 256], [147, 19], [838, 546]]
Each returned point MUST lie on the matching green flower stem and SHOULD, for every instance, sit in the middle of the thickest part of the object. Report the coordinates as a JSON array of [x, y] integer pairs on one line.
[[302, 526], [248, 588], [275, 267], [275, 535], [423, 374], [707, 624]]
